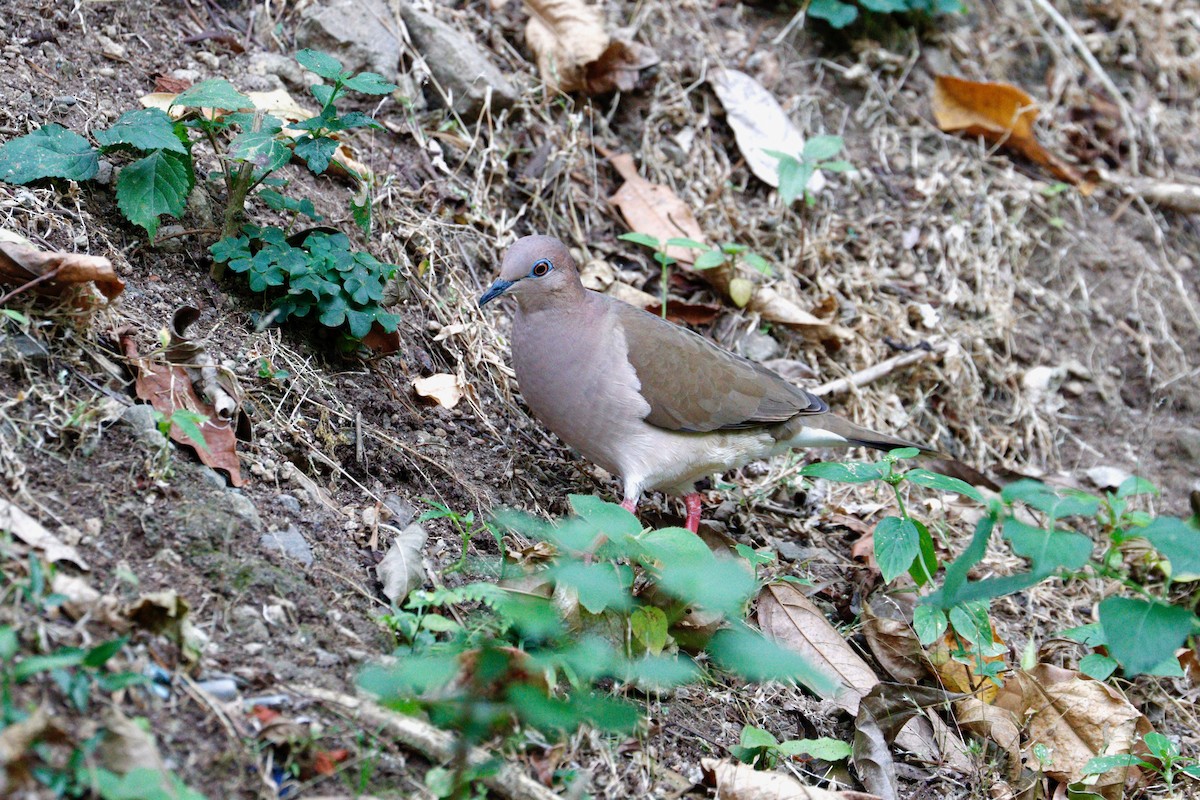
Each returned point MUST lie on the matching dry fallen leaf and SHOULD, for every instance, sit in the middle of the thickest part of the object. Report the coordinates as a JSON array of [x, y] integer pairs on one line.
[[994, 724], [32, 533], [1076, 718], [791, 619], [21, 262], [218, 385], [401, 570], [759, 124], [890, 635], [575, 53], [443, 388], [737, 781], [126, 745], [168, 388], [1000, 113], [654, 209], [957, 676]]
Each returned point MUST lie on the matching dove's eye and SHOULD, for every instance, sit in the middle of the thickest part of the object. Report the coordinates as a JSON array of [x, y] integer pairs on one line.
[[540, 268]]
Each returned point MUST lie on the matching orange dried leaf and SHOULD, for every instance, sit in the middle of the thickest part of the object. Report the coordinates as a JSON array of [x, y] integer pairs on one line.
[[654, 209], [21, 262], [325, 761], [168, 388], [575, 53], [1000, 113]]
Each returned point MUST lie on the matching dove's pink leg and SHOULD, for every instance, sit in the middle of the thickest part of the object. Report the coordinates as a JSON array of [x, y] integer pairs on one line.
[[629, 504], [692, 503]]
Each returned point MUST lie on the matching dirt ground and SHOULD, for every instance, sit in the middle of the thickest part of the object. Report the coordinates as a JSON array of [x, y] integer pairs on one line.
[[937, 241]]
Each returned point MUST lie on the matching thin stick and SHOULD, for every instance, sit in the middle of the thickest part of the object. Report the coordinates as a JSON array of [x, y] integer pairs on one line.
[[1100, 75], [433, 743], [877, 371]]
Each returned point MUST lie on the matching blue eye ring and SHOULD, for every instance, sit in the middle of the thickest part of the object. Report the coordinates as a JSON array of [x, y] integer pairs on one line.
[[540, 267]]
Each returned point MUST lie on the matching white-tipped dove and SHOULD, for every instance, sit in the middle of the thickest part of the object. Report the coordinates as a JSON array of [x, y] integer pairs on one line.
[[654, 403]]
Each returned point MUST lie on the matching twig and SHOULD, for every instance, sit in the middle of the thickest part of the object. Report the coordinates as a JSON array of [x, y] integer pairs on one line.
[[435, 744], [1097, 72], [47, 276], [877, 371]]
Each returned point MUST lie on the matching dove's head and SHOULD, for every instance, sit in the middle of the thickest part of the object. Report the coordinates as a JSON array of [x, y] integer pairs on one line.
[[536, 269]]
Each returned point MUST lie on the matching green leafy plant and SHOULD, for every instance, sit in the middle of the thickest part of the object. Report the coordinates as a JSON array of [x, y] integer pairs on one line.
[[467, 526], [761, 749], [1164, 759], [313, 273], [1140, 632], [708, 258], [841, 13], [250, 146], [795, 173], [523, 658]]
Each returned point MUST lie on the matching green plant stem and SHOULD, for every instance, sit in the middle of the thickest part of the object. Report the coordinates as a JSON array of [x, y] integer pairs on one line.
[[664, 280]]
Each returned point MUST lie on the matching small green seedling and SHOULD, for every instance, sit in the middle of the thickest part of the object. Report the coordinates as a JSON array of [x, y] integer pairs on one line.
[[795, 174], [762, 750], [1162, 750], [740, 289], [841, 13]]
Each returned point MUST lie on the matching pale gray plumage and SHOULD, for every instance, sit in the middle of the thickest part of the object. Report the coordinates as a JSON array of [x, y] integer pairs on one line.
[[654, 403]]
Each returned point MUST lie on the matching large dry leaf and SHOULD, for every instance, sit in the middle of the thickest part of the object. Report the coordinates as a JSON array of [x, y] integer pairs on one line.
[[759, 124], [32, 533], [22, 262], [791, 619], [126, 745], [883, 714], [168, 388], [575, 53], [994, 724], [443, 388], [959, 677], [1000, 113], [1076, 718], [654, 209], [401, 570], [890, 635], [565, 36], [737, 781]]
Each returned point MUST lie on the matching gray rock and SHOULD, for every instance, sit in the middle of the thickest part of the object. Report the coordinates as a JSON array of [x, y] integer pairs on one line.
[[359, 33], [283, 69], [142, 420], [1189, 442], [291, 543], [212, 477], [248, 621], [290, 504], [243, 508], [223, 689], [758, 346], [403, 512], [22, 347], [462, 68]]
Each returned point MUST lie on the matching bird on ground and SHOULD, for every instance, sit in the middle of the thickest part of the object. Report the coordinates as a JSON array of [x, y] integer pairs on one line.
[[654, 403]]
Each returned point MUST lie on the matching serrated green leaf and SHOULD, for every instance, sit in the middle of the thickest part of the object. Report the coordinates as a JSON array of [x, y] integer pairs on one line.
[[819, 148], [897, 545], [1049, 550], [212, 93], [261, 149], [322, 93], [143, 128], [316, 153], [51, 151], [1143, 634], [600, 586], [1101, 764], [824, 748], [322, 64], [1177, 541], [648, 624], [930, 623], [1133, 485], [751, 655], [369, 83], [154, 185], [852, 472], [835, 12], [943, 483]]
